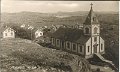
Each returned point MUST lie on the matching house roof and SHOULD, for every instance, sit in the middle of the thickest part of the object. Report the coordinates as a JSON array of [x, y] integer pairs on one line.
[[2, 29], [72, 35]]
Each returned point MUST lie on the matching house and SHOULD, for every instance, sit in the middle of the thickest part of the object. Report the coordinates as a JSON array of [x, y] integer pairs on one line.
[[41, 32], [85, 42], [22, 26], [53, 28], [8, 32], [38, 33], [43, 39]]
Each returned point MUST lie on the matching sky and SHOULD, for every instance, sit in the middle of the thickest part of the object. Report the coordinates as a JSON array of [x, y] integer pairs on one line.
[[57, 6]]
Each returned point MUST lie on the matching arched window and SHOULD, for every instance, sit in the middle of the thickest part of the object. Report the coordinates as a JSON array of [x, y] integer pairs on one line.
[[87, 30], [95, 30], [80, 48], [57, 42], [11, 33], [93, 19], [68, 45], [74, 47]]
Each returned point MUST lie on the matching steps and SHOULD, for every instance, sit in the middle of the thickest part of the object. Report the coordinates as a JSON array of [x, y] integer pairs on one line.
[[105, 60]]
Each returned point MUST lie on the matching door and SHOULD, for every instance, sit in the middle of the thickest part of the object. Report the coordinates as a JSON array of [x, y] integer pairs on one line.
[[95, 49]]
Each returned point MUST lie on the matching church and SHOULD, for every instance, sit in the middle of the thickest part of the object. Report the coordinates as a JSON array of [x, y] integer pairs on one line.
[[85, 42]]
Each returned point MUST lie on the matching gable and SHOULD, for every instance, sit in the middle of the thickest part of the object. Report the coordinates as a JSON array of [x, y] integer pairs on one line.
[[8, 30]]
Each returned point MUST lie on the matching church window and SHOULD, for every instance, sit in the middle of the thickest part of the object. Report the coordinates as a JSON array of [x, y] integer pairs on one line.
[[95, 30], [95, 39], [94, 18], [5, 34], [74, 47], [88, 48], [101, 46], [57, 42], [80, 48], [11, 33], [40, 33], [87, 30], [68, 45]]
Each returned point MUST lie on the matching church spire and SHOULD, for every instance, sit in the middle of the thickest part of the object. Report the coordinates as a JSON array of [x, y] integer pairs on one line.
[[91, 6], [91, 18]]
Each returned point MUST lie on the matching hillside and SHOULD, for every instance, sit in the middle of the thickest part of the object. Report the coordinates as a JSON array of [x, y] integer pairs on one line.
[[109, 25], [41, 19], [19, 55]]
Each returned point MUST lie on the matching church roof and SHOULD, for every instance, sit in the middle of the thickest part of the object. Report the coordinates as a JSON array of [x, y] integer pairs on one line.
[[91, 18], [70, 34]]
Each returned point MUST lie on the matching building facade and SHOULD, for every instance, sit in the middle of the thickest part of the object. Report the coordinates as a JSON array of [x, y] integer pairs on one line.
[[86, 41], [8, 33], [39, 33]]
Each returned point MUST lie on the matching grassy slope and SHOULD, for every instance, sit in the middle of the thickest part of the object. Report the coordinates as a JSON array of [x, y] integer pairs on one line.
[[19, 52]]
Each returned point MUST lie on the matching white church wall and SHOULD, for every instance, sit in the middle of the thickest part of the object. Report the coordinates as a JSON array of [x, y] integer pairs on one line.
[[95, 42], [88, 44], [102, 42]]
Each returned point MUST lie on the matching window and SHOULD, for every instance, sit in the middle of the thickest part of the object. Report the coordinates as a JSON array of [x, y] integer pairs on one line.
[[87, 30], [11, 33], [68, 45], [40, 33], [95, 39], [94, 18], [95, 30], [57, 42], [74, 47], [101, 46], [5, 34], [36, 34], [88, 48], [80, 48]]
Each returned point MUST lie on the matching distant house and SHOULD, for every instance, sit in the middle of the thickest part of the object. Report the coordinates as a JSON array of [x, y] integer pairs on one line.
[[86, 41], [8, 32], [41, 32], [22, 26], [78, 26], [43, 39], [53, 28], [30, 27], [38, 33]]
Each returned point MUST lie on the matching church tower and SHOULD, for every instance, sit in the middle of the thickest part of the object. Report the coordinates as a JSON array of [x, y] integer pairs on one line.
[[91, 27]]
